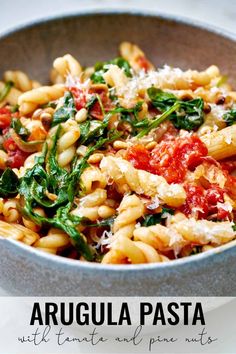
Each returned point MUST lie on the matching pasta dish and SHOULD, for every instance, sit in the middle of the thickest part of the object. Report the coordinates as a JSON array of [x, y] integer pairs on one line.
[[119, 163]]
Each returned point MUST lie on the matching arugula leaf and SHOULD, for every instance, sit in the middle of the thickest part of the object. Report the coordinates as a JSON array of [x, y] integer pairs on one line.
[[19, 128], [82, 164], [106, 222], [47, 175], [230, 117], [130, 116], [123, 64], [157, 121], [92, 130], [8, 184], [102, 67], [188, 116], [65, 112], [91, 102], [161, 99], [15, 108], [6, 90], [50, 104], [97, 77], [154, 219]]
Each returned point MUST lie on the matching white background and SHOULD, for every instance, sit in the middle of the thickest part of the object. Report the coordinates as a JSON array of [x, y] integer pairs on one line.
[[221, 13]]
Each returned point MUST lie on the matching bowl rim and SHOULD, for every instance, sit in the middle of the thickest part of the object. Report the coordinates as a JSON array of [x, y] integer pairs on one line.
[[198, 24], [62, 261], [32, 252]]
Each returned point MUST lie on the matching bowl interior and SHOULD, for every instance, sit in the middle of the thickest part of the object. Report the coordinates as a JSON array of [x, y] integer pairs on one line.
[[91, 38], [95, 37]]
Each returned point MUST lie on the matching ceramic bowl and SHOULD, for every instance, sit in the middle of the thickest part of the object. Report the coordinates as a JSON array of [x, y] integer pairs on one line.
[[91, 37]]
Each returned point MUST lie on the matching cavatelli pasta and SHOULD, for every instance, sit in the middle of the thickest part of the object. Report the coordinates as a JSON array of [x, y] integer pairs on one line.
[[30, 100], [64, 66], [128, 178], [66, 143], [21, 81]]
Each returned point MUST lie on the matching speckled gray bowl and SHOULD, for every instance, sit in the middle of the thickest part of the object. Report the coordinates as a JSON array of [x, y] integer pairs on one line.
[[91, 37]]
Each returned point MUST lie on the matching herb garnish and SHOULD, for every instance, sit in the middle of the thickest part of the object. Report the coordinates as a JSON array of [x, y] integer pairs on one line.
[[154, 123], [22, 131], [102, 67], [8, 184], [6, 90], [47, 176], [230, 117], [188, 115], [154, 219], [65, 112]]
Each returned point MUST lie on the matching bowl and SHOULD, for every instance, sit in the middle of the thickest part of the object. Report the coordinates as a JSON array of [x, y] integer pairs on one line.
[[94, 37]]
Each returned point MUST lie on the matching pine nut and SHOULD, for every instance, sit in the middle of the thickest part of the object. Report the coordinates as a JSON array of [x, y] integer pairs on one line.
[[151, 145], [95, 158], [105, 211], [118, 144], [81, 115]]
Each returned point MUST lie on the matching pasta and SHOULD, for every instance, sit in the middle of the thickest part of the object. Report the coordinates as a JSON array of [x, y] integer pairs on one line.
[[118, 163], [21, 81], [128, 179]]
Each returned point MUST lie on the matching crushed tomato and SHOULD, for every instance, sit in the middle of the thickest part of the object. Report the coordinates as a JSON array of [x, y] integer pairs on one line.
[[202, 202], [16, 157], [196, 202], [5, 117], [170, 159], [79, 97], [96, 110], [139, 156]]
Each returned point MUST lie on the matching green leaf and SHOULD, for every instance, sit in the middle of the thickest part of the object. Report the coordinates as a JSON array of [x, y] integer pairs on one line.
[[91, 102], [47, 175], [161, 99], [15, 108], [157, 121], [90, 130], [19, 128], [230, 117], [65, 112], [123, 64], [188, 116], [97, 77], [6, 90], [154, 219], [8, 184], [130, 116], [50, 104], [102, 67], [106, 222]]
